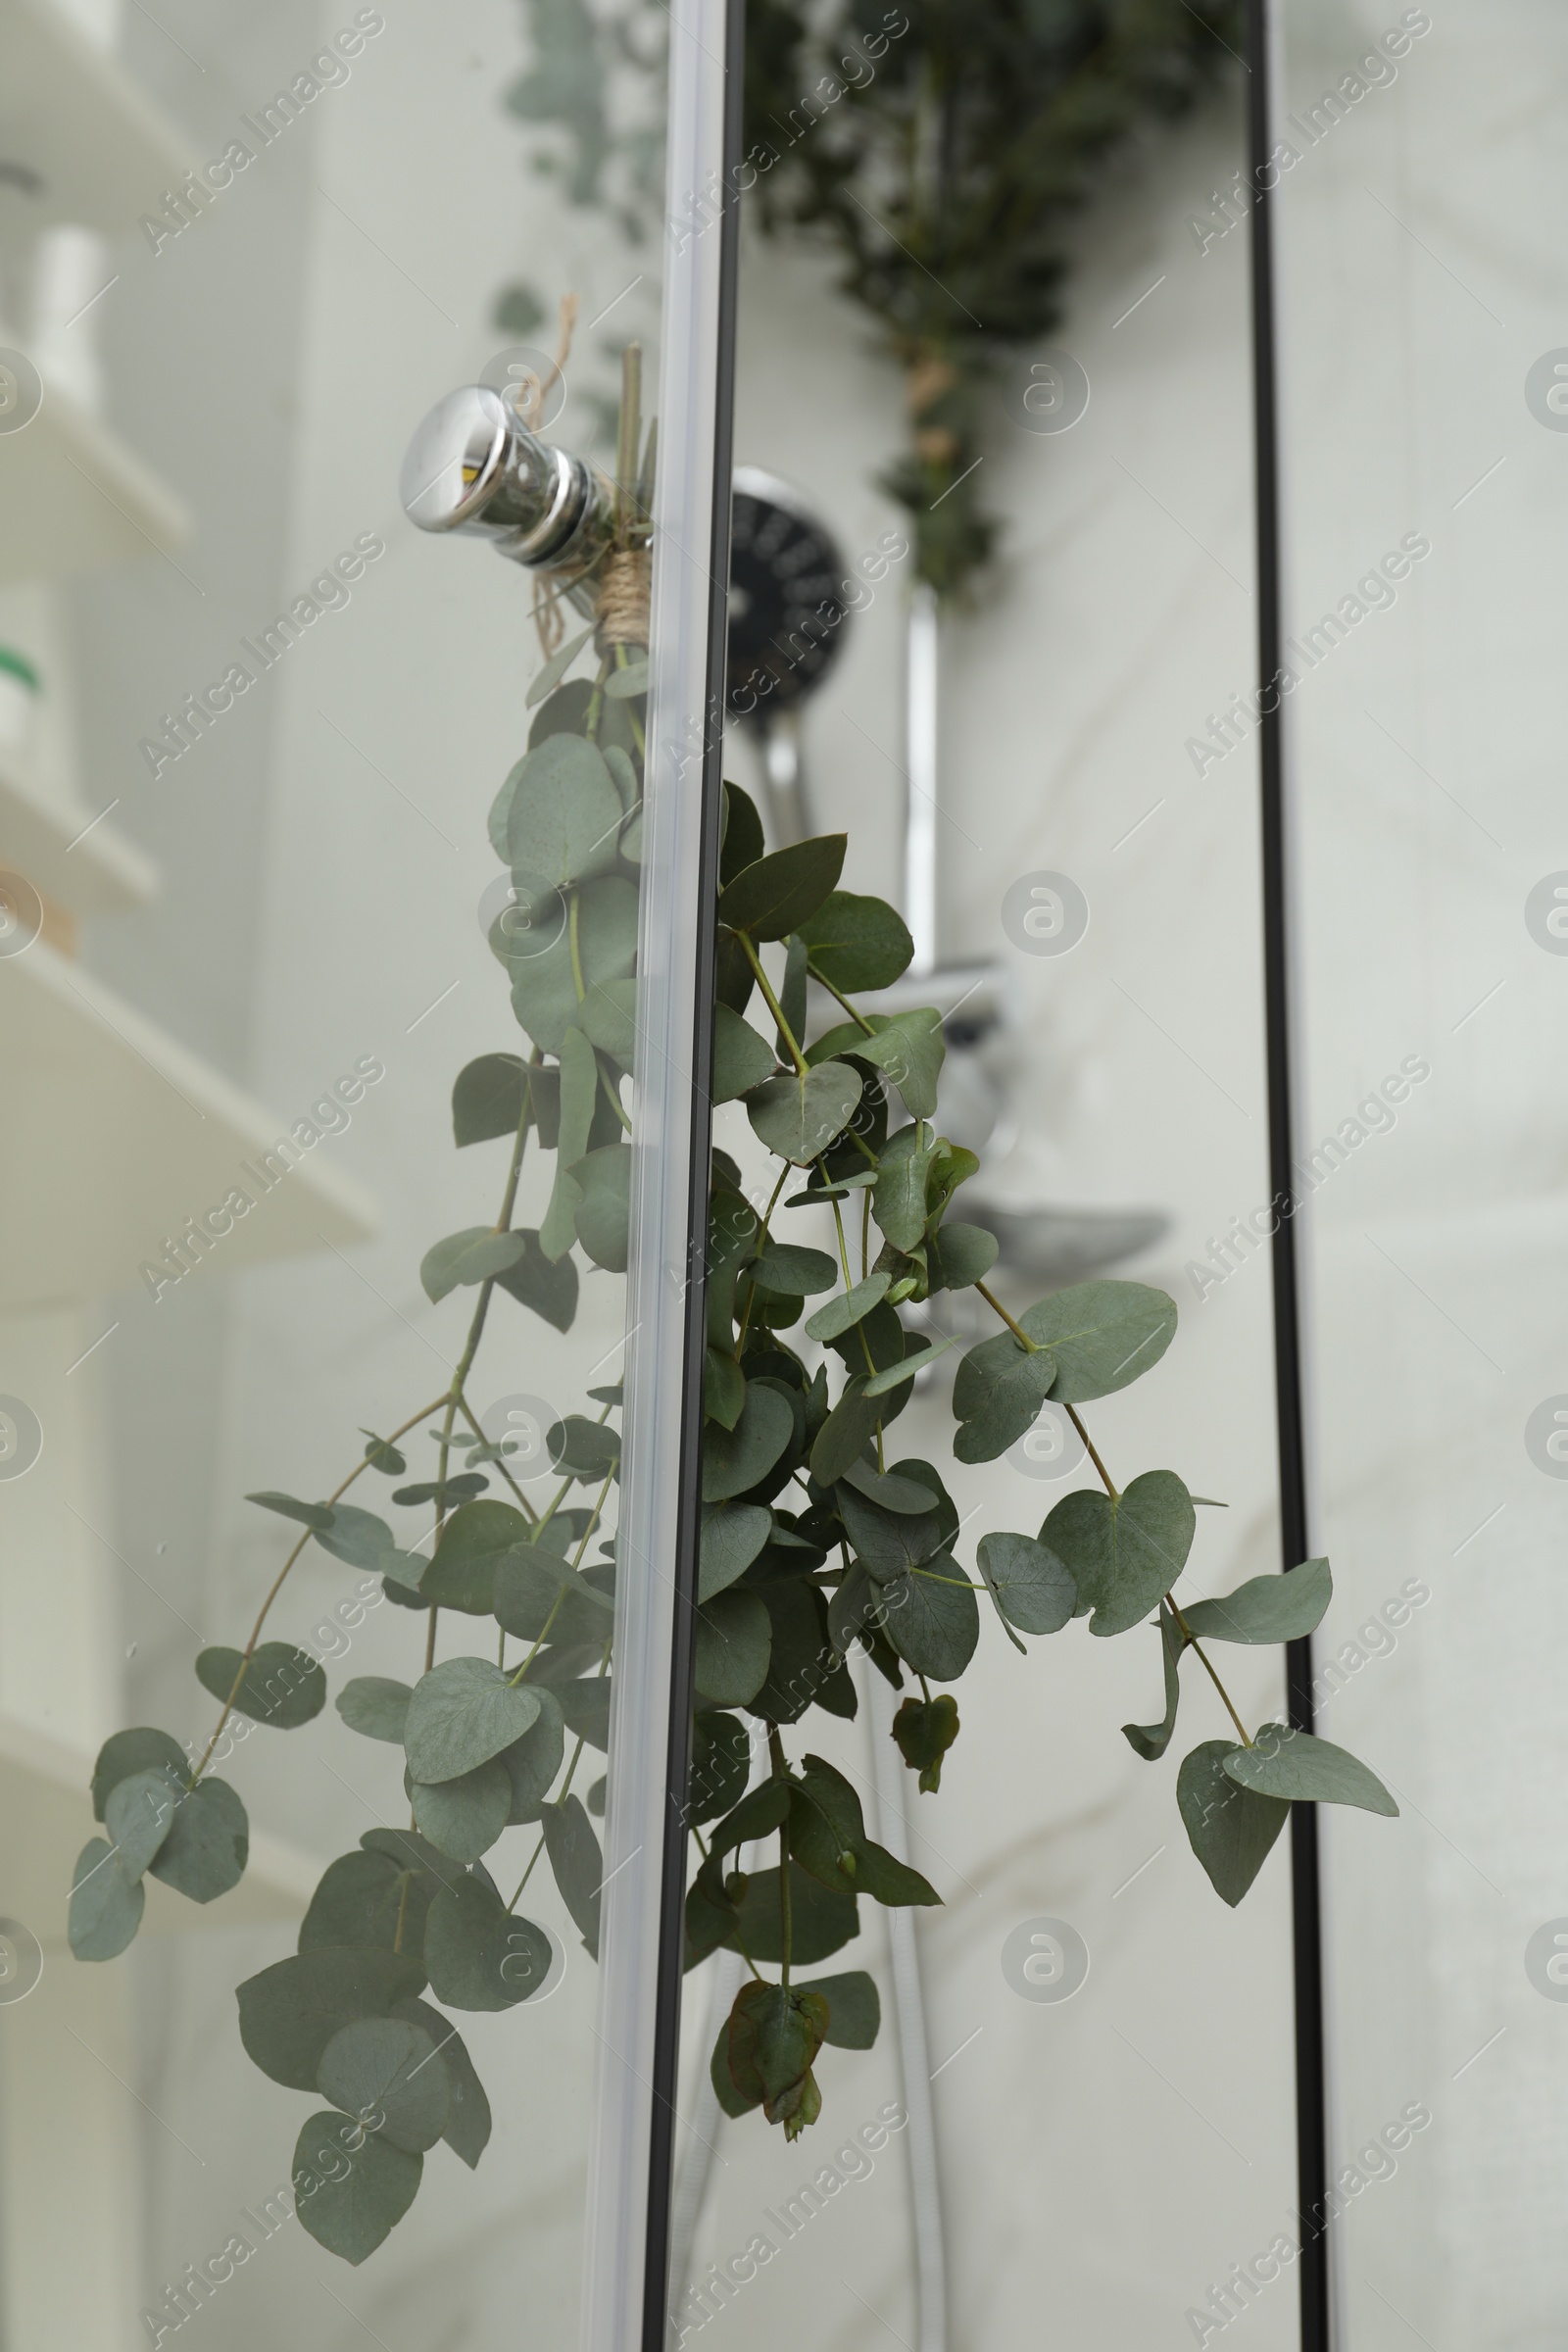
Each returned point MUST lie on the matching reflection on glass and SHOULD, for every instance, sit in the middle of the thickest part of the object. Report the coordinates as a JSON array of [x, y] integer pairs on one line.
[[321, 843]]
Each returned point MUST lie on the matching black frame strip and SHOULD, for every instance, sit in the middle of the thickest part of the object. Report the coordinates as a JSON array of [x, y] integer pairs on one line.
[[677, 1762], [1311, 2109]]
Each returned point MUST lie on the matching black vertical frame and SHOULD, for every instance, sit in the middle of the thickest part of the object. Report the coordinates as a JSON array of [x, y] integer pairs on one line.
[[1311, 2106], [677, 1760]]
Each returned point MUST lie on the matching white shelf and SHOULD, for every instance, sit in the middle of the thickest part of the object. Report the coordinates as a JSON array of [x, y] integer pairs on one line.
[[46, 1818], [70, 113], [73, 497], [130, 1134], [89, 872]]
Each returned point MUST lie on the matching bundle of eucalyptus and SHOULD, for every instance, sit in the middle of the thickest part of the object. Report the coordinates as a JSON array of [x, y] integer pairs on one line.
[[944, 155], [818, 1535]]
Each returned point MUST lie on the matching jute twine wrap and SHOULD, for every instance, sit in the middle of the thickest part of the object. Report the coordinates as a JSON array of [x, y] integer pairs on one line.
[[622, 599]]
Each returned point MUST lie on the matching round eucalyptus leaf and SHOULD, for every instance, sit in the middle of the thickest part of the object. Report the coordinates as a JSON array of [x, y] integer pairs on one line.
[[138, 1816], [362, 2192], [564, 811], [479, 1955], [365, 1900], [359, 1537], [280, 1685], [138, 1750], [1031, 1586], [464, 1712], [382, 2067], [734, 1641], [374, 1705], [797, 1119], [533, 1761], [290, 2011], [105, 1903], [208, 1844], [932, 1619], [1230, 1828], [467, 2127], [463, 1816], [734, 1459], [731, 1538]]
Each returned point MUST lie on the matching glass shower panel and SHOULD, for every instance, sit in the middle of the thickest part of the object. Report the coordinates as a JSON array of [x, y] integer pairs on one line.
[[1077, 2113], [298, 1335], [1422, 363]]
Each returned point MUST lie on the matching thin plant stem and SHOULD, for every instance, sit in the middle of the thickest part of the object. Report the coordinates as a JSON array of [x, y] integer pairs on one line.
[[775, 1009]]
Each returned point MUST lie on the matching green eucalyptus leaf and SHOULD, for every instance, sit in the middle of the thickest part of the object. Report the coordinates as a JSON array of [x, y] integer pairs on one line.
[[555, 669], [734, 1459], [281, 1686], [907, 1048], [888, 1544], [841, 1314], [208, 1844], [551, 1291], [958, 1255], [564, 811], [856, 943], [997, 1395], [1266, 1608], [821, 1921], [1231, 1829], [772, 2037], [107, 1902], [382, 1455], [731, 1538], [897, 1201], [139, 1815], [143, 1750], [1297, 1765], [374, 1705], [487, 1099], [1103, 1336], [473, 1543], [797, 1119], [932, 1620], [743, 840], [481, 1955], [723, 1389], [893, 1490], [535, 1589], [741, 1059], [625, 685], [543, 984], [893, 1376], [1031, 1586], [775, 896], [1150, 1739], [853, 2006], [579, 1092], [845, 1434], [290, 2011], [467, 2127], [364, 2186], [309, 1514], [722, 1756], [577, 1863], [585, 1705], [618, 762], [533, 1761], [792, 1271], [361, 1537], [583, 1449], [463, 1817], [462, 1713], [365, 1901], [1123, 1555], [607, 1015], [475, 1254], [387, 2074], [604, 1212], [734, 1643]]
